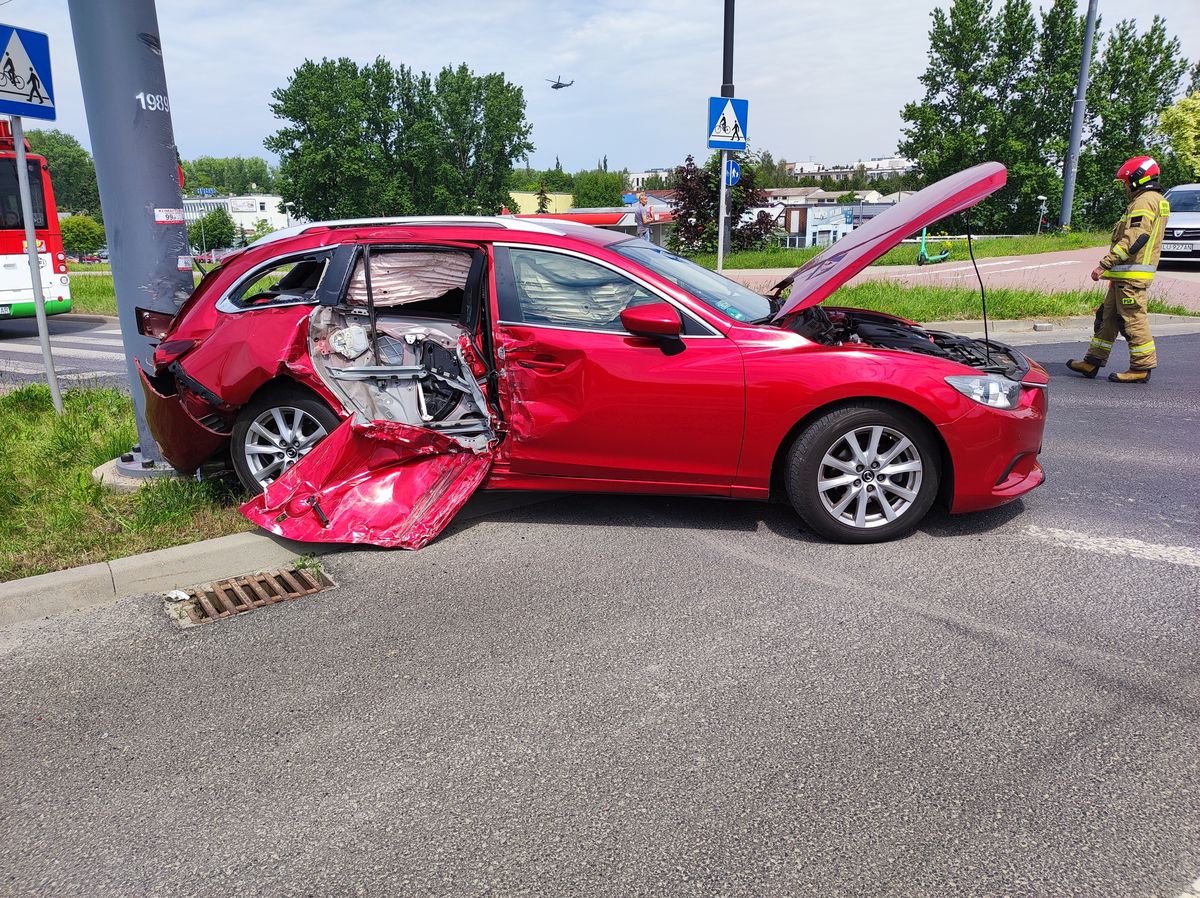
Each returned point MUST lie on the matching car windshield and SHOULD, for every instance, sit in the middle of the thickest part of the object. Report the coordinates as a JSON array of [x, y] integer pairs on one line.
[[1184, 200], [724, 295]]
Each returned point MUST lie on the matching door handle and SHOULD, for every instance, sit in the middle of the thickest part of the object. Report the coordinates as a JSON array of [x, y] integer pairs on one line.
[[547, 365]]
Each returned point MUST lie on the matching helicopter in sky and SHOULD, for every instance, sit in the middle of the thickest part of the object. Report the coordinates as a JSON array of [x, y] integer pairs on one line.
[[558, 83]]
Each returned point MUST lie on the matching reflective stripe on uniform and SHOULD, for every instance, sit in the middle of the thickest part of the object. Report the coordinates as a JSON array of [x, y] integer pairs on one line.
[[1097, 343], [1130, 272], [1119, 252], [1141, 348]]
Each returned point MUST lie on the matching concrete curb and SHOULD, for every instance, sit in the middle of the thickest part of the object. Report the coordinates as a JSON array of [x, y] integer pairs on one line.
[[190, 565], [1031, 331], [159, 571]]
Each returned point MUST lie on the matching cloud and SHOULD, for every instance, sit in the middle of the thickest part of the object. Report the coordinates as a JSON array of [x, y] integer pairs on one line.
[[824, 80]]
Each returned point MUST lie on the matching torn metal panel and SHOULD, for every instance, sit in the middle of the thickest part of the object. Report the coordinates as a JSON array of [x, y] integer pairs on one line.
[[381, 483]]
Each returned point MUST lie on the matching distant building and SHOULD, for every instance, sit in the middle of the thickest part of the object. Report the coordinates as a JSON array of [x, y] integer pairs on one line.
[[246, 211], [873, 169], [816, 225], [527, 201], [638, 179]]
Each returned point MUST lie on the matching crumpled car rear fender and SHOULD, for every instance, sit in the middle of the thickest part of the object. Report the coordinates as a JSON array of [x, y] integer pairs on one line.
[[378, 482]]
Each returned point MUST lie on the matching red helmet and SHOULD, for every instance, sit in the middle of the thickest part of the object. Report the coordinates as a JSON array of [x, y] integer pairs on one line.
[[1138, 171]]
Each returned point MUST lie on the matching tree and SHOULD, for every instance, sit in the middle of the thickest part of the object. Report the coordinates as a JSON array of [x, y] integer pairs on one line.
[[230, 175], [1194, 84], [597, 189], [696, 201], [379, 140], [81, 235], [1181, 126], [1136, 77], [655, 182], [214, 231], [945, 131], [543, 199], [72, 171]]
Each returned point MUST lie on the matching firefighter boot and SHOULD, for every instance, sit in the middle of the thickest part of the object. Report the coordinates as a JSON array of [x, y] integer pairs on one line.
[[1089, 367], [1132, 376]]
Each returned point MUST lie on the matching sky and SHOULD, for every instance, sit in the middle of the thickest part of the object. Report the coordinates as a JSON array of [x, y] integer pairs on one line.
[[825, 81]]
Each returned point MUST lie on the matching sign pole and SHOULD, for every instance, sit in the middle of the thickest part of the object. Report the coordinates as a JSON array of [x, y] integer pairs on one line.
[[129, 118], [723, 213], [35, 268]]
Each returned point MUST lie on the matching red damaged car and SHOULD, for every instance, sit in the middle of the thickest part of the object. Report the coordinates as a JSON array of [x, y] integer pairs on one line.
[[368, 376]]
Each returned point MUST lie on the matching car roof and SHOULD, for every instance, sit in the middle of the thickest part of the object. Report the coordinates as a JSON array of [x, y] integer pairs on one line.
[[487, 226]]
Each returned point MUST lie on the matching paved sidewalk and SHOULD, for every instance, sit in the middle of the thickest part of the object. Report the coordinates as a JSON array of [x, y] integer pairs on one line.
[[1049, 272]]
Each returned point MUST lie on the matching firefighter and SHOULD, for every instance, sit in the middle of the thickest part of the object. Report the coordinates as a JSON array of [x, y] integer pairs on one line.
[[1129, 268]]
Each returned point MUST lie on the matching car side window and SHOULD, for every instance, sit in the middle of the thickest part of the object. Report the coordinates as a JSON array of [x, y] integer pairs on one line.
[[282, 282], [559, 290]]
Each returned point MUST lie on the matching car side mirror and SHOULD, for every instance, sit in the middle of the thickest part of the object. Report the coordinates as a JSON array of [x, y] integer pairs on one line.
[[656, 319]]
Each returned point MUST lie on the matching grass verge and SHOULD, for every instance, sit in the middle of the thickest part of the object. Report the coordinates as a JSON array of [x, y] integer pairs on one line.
[[960, 303], [93, 295], [53, 515], [906, 253]]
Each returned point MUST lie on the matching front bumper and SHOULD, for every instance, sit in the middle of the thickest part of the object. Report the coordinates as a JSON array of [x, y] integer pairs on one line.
[[994, 452], [184, 441]]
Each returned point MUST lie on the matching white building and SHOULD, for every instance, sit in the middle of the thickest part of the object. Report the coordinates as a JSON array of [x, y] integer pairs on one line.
[[246, 211], [638, 179]]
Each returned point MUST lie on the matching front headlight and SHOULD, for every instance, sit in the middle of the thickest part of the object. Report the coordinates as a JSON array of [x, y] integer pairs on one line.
[[991, 390]]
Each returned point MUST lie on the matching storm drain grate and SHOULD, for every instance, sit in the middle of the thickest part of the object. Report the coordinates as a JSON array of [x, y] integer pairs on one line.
[[237, 595]]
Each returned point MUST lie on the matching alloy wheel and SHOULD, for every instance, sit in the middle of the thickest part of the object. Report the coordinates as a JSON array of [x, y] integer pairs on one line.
[[870, 477], [277, 439]]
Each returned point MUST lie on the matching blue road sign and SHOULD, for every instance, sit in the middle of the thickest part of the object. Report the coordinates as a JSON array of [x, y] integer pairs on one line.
[[26, 85], [733, 173], [727, 119]]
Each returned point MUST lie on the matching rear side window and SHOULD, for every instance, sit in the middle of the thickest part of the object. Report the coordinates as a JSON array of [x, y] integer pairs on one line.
[[284, 282], [421, 281]]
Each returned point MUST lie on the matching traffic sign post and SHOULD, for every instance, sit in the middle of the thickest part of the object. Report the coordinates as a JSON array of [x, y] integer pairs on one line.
[[733, 173], [25, 74], [727, 120]]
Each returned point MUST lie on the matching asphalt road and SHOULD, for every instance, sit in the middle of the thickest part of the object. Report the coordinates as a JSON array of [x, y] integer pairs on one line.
[[87, 351], [641, 696]]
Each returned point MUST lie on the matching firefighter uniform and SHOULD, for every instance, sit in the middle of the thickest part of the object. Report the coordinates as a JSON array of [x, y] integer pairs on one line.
[[1129, 274], [1129, 268]]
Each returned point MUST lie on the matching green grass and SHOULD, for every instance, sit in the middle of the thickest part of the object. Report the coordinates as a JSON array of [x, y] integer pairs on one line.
[[89, 266], [960, 303], [53, 515], [906, 253], [93, 295]]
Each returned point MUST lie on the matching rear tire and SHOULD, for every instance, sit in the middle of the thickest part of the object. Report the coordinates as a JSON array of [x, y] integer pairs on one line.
[[864, 473], [275, 430]]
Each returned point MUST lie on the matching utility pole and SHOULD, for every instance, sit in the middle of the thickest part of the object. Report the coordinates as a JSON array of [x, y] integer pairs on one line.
[[1072, 163], [133, 142], [723, 225]]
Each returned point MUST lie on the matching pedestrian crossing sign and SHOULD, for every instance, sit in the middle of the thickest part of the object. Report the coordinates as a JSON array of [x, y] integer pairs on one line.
[[727, 123], [26, 85]]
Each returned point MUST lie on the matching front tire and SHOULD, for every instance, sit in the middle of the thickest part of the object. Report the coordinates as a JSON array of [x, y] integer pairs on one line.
[[864, 473], [274, 431]]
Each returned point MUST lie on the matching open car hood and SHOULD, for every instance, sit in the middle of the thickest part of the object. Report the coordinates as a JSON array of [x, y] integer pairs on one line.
[[813, 281]]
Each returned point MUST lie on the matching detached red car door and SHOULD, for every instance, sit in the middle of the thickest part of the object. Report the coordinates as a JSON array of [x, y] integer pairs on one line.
[[586, 399]]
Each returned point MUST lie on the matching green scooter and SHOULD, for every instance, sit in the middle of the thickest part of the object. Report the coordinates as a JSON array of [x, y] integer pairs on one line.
[[923, 256]]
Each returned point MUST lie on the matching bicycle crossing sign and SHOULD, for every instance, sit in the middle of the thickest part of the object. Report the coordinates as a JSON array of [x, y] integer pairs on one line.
[[727, 123], [26, 85]]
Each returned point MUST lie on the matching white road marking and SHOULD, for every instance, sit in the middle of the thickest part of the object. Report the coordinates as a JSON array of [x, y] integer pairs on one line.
[[1116, 545], [949, 273], [65, 351], [9, 366]]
